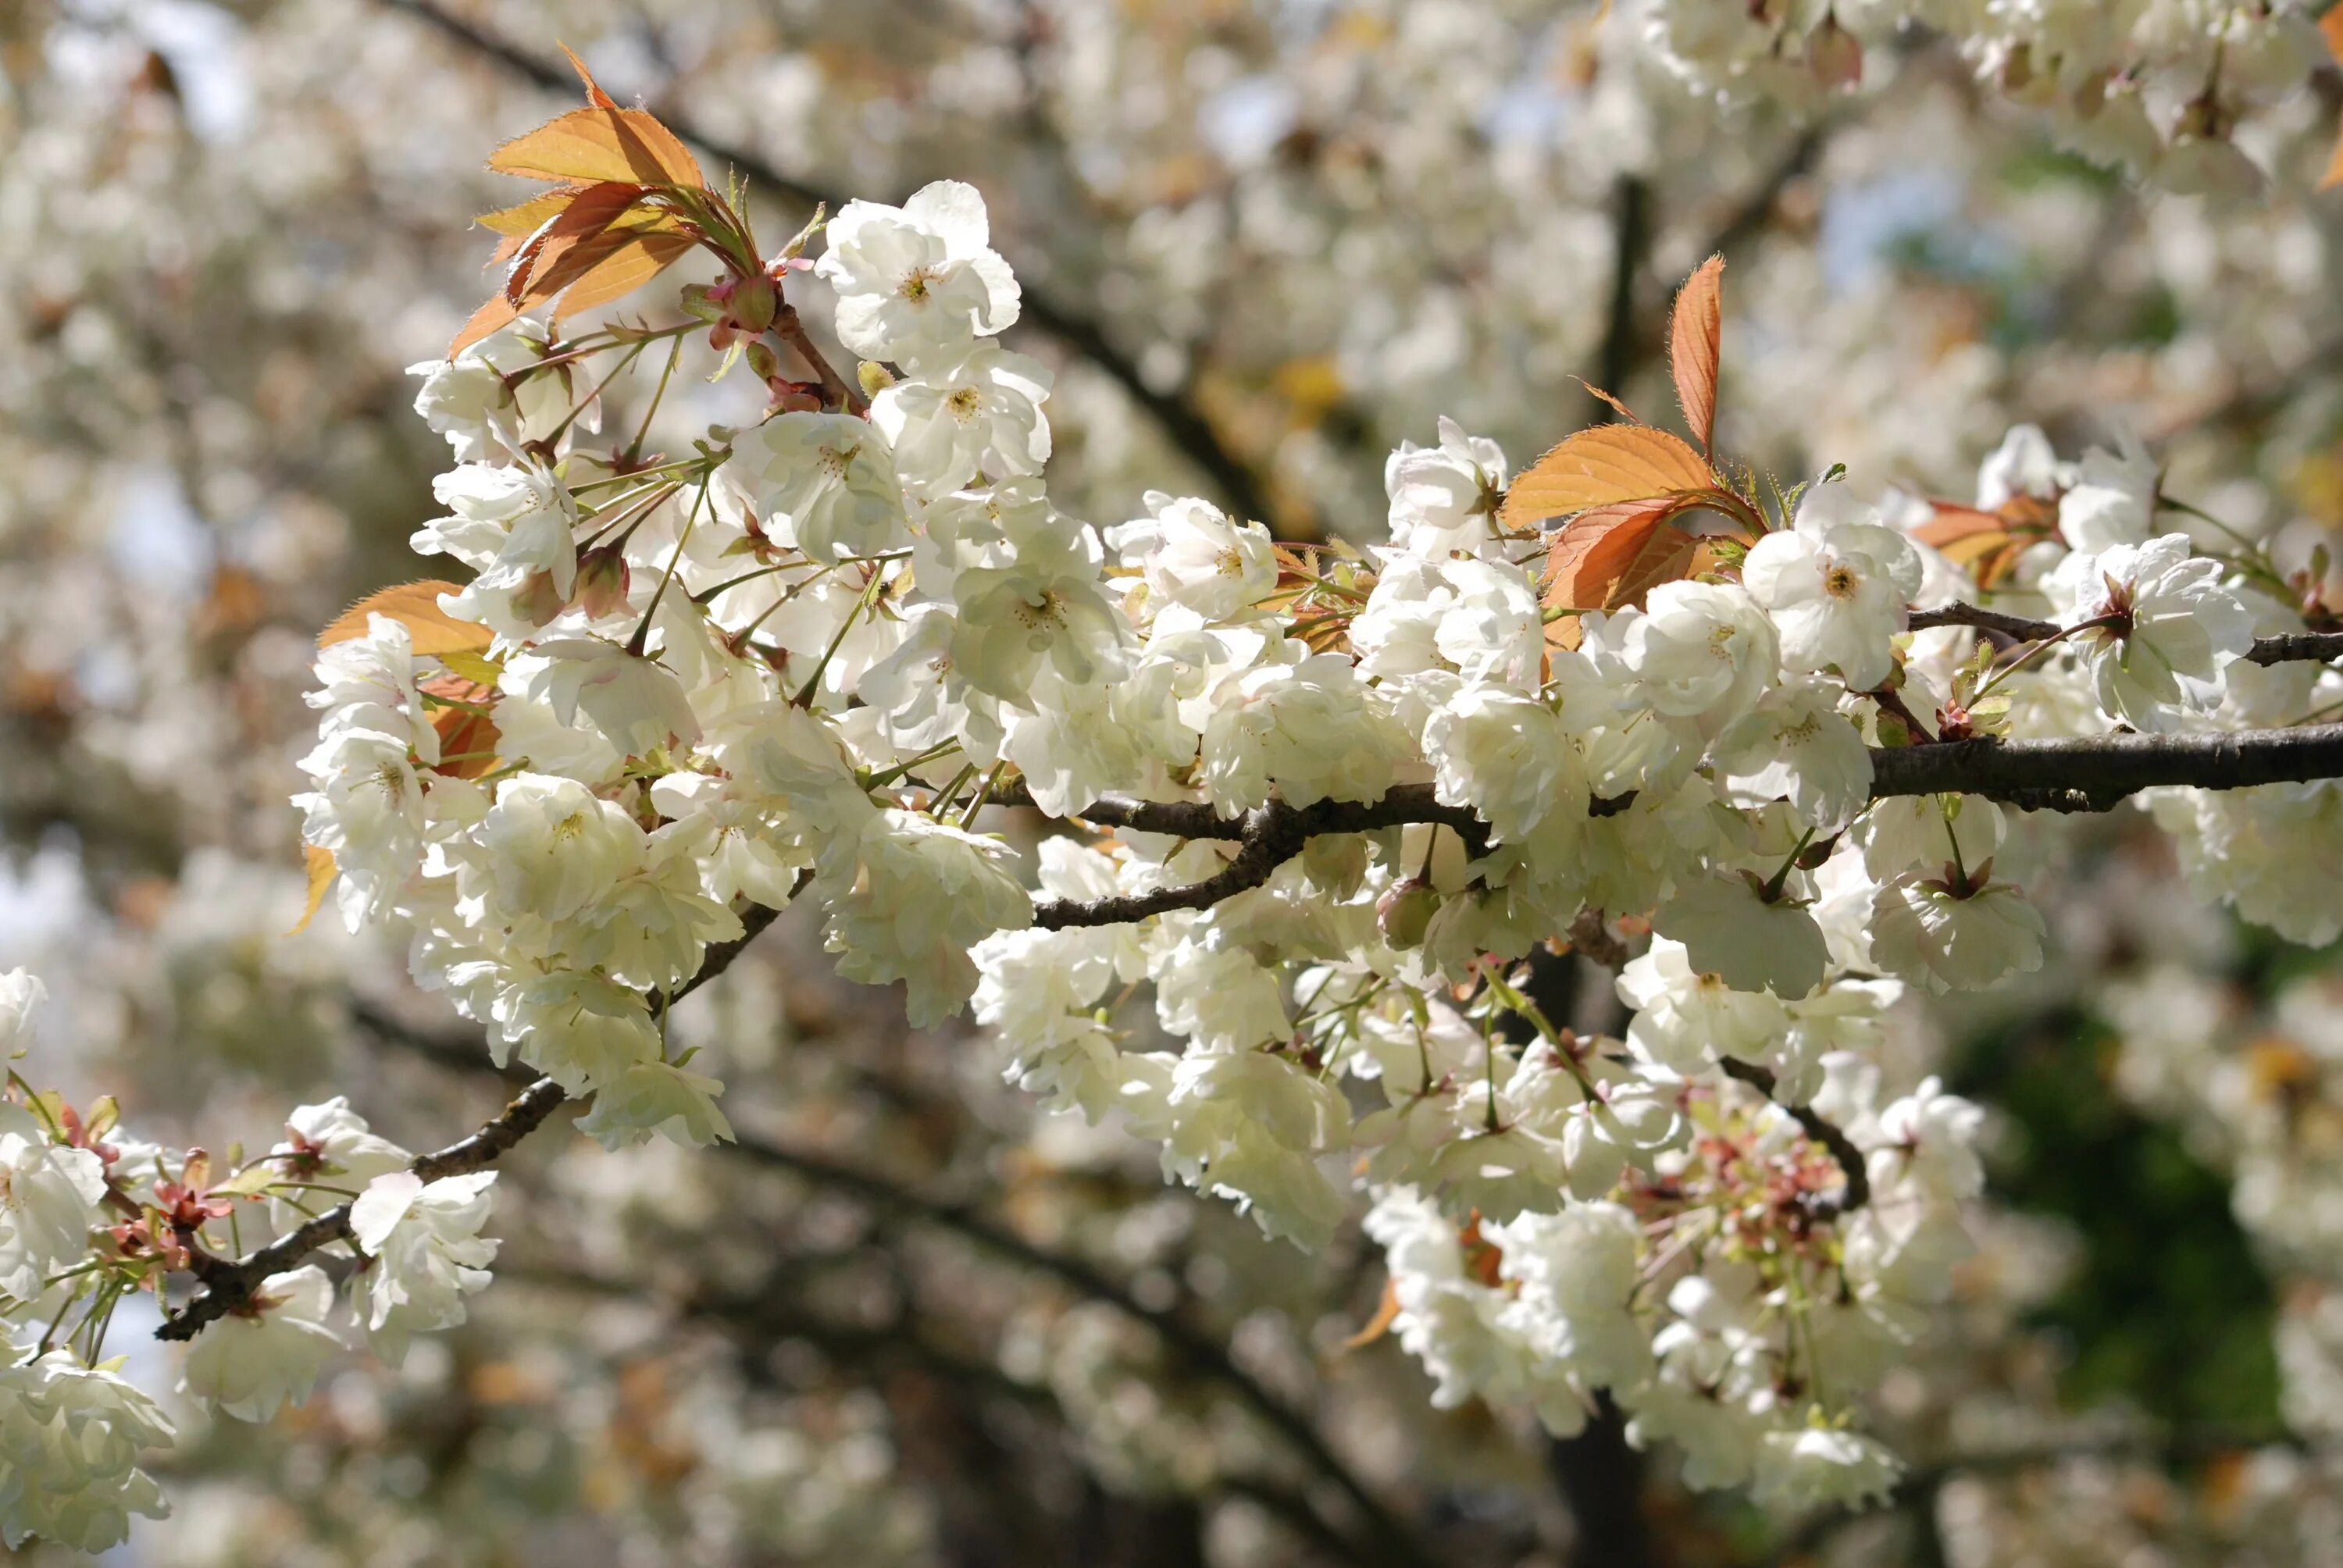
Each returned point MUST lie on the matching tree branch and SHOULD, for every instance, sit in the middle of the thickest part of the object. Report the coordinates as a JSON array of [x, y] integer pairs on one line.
[[1267, 837], [229, 1283], [2093, 772], [2304, 646], [1198, 1349], [2087, 773], [1175, 412]]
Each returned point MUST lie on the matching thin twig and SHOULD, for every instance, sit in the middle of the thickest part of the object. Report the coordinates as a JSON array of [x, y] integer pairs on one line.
[[229, 1283], [1176, 412], [1199, 1351], [1820, 1129], [2292, 647]]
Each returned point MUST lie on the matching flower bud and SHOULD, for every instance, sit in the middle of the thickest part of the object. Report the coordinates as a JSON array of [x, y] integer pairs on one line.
[[1835, 55], [602, 580], [1404, 911], [754, 302]]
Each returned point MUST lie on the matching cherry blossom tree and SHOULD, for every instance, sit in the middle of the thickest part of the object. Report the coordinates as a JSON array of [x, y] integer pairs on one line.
[[1543, 884]]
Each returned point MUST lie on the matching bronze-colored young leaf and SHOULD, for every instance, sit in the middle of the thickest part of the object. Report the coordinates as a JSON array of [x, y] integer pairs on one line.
[[596, 144], [1616, 554], [1386, 1315], [539, 267], [1603, 465], [322, 871], [522, 219], [1987, 544], [2330, 27], [1695, 341], [495, 313], [624, 269], [594, 95], [1609, 399], [415, 607], [468, 735]]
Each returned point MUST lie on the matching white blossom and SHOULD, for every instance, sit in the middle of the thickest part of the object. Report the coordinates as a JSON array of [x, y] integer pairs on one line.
[[267, 1354], [72, 1437], [49, 1198], [1836, 592], [424, 1254], [1941, 937], [1444, 498], [979, 414], [2173, 627], [822, 482], [918, 279]]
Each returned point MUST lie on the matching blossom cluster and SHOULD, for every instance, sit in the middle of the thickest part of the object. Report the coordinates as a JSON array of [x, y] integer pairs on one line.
[[804, 662], [2154, 87], [90, 1216]]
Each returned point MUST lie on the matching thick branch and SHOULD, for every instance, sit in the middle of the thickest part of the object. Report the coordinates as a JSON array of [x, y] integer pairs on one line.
[[1820, 1129], [1190, 432], [229, 1283], [2093, 772], [2090, 773]]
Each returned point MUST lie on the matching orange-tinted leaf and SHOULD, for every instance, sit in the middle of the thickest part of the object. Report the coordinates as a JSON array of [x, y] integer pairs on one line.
[[622, 272], [598, 144], [1601, 396], [1988, 544], [525, 218], [494, 315], [1956, 524], [1483, 1259], [1597, 466], [1386, 1314], [2330, 27], [415, 607], [594, 92], [1695, 341], [322, 872], [2334, 174], [549, 261], [1667, 557], [467, 741], [1616, 554]]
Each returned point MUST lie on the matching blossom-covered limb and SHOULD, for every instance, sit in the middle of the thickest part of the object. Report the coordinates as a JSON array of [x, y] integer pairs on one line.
[[228, 1284], [2089, 773], [2315, 646]]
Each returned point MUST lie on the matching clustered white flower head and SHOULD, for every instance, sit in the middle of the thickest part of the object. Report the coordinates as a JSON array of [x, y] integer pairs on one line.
[[88, 1215], [2155, 87], [801, 665]]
